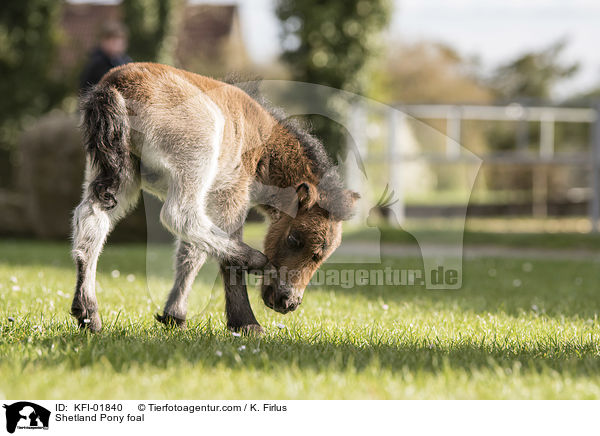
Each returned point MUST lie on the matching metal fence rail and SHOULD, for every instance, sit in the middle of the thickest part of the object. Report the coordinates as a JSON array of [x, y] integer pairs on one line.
[[454, 116]]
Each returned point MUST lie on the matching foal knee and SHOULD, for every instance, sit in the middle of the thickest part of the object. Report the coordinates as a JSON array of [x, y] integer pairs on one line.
[[175, 220], [196, 228]]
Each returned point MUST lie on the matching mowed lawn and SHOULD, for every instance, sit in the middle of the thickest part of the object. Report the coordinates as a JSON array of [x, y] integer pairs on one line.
[[519, 328]]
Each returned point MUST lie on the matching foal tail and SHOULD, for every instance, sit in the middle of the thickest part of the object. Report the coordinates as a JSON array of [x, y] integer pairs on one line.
[[106, 133]]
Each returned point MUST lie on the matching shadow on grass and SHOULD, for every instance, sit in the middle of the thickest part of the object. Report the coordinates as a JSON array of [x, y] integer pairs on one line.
[[160, 348]]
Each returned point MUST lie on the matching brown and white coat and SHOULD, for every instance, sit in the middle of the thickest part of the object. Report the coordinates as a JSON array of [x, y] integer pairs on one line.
[[208, 150]]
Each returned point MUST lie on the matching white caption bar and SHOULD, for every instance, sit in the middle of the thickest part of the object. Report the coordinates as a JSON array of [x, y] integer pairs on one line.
[[283, 418]]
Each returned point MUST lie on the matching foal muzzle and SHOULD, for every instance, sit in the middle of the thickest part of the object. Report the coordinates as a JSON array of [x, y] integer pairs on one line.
[[280, 297]]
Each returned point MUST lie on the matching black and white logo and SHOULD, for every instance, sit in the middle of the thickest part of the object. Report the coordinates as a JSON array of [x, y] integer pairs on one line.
[[26, 415]]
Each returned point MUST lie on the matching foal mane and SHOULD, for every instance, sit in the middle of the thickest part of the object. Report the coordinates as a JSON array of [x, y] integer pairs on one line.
[[330, 181], [321, 164]]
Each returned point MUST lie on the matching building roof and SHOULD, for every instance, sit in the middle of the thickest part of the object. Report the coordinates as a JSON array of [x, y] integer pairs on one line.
[[203, 31], [80, 24]]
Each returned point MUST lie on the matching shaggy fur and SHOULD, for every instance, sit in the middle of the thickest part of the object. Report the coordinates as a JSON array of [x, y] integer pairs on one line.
[[208, 150], [106, 132]]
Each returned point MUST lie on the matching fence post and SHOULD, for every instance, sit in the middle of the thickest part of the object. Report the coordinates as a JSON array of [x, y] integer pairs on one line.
[[595, 176], [547, 136], [453, 133], [540, 170], [396, 122]]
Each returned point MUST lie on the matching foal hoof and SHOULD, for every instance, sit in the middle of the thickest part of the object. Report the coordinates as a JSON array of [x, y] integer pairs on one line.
[[91, 323], [171, 321], [249, 330]]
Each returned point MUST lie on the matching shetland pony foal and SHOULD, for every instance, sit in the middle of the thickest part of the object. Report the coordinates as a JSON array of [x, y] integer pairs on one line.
[[207, 150]]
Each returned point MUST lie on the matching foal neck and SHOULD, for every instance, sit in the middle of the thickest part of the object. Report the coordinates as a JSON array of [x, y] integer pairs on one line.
[[284, 162]]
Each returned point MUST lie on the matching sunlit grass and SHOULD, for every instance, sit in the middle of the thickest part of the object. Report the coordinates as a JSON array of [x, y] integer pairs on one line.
[[518, 329]]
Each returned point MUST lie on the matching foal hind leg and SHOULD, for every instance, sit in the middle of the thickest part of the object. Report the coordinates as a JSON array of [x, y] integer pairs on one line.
[[91, 225], [188, 261]]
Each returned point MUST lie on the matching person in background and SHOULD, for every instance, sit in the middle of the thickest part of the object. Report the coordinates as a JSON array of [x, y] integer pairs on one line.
[[109, 53]]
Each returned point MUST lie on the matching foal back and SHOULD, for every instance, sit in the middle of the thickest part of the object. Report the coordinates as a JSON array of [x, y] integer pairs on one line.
[[182, 120], [198, 141]]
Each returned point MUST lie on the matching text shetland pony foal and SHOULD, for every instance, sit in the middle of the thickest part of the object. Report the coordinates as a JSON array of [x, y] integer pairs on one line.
[[207, 149]]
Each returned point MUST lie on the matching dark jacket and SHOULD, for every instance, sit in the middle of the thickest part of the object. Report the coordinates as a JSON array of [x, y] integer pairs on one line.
[[97, 66]]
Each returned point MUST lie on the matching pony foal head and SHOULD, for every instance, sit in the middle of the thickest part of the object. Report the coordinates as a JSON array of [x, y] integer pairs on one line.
[[298, 245]]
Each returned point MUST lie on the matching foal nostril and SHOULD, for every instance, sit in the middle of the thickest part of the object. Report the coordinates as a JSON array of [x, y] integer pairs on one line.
[[283, 302]]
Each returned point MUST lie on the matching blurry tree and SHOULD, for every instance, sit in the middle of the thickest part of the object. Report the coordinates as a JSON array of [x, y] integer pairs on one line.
[[151, 24], [330, 43], [530, 79], [533, 75], [428, 72], [29, 36], [590, 97]]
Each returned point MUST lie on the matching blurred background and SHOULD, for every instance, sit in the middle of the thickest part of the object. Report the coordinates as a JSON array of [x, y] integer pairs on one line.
[[516, 84]]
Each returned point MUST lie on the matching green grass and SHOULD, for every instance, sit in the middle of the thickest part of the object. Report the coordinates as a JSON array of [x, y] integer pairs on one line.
[[517, 329]]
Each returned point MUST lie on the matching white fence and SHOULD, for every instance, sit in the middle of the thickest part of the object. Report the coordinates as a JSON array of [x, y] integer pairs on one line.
[[454, 115]]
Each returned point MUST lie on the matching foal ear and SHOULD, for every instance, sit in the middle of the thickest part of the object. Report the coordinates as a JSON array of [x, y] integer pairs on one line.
[[340, 204], [307, 195], [352, 196], [350, 199]]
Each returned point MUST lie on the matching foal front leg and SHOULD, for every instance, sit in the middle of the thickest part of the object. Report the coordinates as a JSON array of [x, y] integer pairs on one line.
[[240, 317], [184, 216], [188, 261]]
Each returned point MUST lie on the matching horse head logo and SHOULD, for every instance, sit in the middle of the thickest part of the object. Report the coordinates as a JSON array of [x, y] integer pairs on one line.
[[24, 414]]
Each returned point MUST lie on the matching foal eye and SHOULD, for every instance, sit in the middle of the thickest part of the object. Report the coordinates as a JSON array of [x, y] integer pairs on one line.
[[293, 241]]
